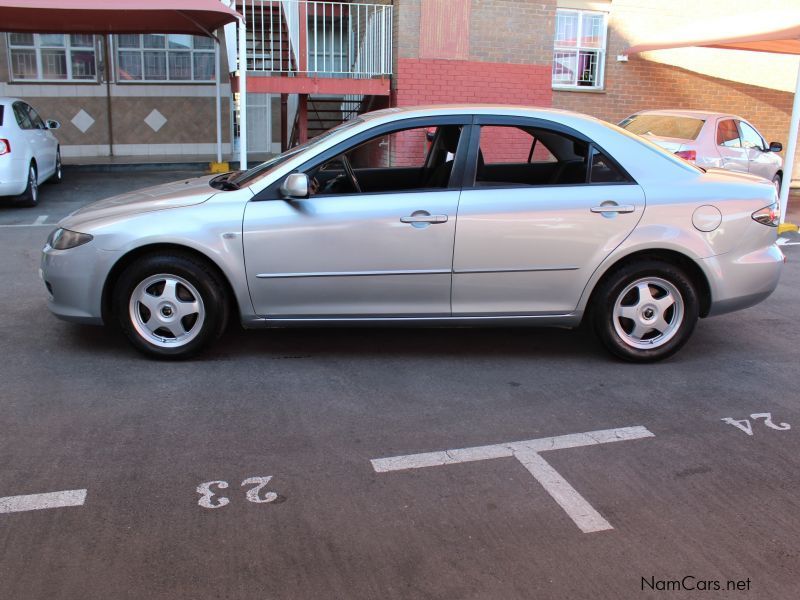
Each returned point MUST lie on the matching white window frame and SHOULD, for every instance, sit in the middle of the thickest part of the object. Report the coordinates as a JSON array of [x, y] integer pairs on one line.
[[165, 50], [577, 49], [38, 47]]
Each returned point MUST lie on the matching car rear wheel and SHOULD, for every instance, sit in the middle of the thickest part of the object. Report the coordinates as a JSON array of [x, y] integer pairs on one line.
[[58, 175], [30, 197], [645, 311], [171, 306]]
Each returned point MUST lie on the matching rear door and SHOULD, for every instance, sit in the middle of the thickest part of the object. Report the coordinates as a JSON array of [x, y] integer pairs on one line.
[[45, 144], [729, 145], [529, 246]]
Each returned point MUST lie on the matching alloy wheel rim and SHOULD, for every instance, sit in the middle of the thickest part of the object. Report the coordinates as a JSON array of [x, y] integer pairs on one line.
[[166, 310], [648, 313], [33, 183]]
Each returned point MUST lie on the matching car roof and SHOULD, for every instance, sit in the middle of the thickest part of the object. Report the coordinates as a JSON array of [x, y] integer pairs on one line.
[[697, 114], [10, 100], [480, 109]]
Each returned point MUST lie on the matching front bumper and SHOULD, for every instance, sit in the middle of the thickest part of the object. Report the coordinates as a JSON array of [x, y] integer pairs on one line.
[[742, 280], [74, 279]]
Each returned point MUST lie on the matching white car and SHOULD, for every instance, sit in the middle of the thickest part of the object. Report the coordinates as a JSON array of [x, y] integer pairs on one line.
[[29, 152], [710, 140]]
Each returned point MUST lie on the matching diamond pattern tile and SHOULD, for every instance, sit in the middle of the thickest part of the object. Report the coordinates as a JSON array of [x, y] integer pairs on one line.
[[155, 120], [82, 120]]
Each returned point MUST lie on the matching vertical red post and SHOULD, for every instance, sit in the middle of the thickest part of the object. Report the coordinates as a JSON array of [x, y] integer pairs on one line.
[[302, 118], [284, 122]]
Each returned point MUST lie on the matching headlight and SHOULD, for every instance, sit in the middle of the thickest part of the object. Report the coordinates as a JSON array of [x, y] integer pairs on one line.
[[64, 239]]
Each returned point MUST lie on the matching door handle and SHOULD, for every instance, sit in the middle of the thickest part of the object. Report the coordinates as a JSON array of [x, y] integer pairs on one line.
[[434, 219], [613, 208]]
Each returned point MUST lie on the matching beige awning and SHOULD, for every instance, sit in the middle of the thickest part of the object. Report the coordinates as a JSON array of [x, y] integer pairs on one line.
[[777, 32]]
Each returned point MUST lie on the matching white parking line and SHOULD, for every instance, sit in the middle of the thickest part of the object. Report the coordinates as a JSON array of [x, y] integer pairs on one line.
[[26, 225], [10, 504], [40, 220], [785, 242], [527, 452]]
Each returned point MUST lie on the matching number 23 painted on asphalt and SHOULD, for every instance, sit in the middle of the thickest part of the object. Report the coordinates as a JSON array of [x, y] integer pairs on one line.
[[209, 498], [744, 424]]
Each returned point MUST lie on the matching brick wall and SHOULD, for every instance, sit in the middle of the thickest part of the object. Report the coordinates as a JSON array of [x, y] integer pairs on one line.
[[670, 79], [506, 35]]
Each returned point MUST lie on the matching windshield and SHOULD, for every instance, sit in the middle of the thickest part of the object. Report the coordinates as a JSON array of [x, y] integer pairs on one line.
[[685, 128], [259, 171]]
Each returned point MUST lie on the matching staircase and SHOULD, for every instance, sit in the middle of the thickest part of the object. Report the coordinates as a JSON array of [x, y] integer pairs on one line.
[[325, 112]]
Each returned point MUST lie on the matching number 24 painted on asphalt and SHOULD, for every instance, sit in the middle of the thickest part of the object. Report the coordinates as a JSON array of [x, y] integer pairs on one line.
[[744, 424], [252, 495]]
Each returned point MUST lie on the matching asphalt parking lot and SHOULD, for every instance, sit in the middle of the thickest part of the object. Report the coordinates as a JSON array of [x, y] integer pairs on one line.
[[256, 472]]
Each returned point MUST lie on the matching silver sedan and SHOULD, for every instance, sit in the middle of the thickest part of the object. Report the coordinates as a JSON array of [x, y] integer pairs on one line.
[[445, 215]]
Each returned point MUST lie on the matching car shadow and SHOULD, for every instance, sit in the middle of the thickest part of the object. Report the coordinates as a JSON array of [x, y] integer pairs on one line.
[[308, 343]]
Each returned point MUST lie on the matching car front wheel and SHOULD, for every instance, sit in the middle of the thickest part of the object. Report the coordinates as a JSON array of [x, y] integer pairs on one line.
[[171, 306], [645, 311]]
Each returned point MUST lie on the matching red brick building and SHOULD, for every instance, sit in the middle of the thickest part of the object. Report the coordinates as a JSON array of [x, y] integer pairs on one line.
[[525, 52]]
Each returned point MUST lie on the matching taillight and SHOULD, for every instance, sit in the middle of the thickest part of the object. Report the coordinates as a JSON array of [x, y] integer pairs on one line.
[[690, 155], [5, 147], [769, 215]]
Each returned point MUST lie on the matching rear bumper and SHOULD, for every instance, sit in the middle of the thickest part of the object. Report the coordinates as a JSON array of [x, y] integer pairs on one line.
[[742, 280], [13, 176]]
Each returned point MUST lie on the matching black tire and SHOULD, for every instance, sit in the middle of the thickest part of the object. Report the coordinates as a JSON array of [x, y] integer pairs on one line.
[[682, 322], [30, 197], [58, 176], [777, 182], [198, 274]]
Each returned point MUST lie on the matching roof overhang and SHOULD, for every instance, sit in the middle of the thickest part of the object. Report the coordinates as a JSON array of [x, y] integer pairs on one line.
[[198, 17]]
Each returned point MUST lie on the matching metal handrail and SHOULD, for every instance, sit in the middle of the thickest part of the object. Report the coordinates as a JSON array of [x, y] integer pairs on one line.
[[318, 37]]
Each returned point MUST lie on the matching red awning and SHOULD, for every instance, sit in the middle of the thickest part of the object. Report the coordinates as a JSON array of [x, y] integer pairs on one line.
[[199, 17]]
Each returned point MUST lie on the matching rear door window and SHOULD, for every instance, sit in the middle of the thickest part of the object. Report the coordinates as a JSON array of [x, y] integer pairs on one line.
[[36, 120], [728, 134]]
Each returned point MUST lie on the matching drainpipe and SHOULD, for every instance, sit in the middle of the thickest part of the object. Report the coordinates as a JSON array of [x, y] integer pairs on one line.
[[218, 101], [107, 51], [242, 94]]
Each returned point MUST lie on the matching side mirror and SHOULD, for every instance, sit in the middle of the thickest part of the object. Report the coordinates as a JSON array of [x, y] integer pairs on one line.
[[775, 146], [51, 124], [295, 186]]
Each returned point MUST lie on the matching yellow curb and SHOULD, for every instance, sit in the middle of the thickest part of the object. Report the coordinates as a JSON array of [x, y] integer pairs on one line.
[[219, 167], [786, 227]]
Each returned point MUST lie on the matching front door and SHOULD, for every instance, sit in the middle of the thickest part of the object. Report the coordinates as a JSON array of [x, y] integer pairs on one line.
[[532, 229], [373, 239]]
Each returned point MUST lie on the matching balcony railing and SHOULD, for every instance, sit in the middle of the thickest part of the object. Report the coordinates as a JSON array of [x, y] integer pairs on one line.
[[318, 38]]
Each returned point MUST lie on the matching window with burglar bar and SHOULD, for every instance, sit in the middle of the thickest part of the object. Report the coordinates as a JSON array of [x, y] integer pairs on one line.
[[579, 49], [164, 57], [52, 57]]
